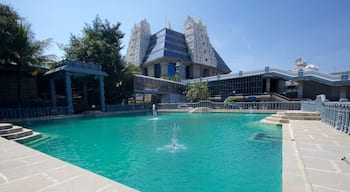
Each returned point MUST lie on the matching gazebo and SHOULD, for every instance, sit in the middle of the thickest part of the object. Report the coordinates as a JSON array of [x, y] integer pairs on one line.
[[67, 69]]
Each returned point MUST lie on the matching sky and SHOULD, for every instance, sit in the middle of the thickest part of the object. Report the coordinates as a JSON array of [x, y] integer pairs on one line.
[[248, 34]]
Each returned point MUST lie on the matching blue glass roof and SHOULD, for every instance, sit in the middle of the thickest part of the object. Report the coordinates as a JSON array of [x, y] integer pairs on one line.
[[167, 43], [221, 63], [172, 44]]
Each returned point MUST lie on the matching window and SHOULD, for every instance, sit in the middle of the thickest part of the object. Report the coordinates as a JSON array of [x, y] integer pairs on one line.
[[171, 69], [146, 71], [187, 72], [157, 70]]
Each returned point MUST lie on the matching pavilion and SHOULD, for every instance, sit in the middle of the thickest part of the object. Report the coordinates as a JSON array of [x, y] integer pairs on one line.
[[68, 69]]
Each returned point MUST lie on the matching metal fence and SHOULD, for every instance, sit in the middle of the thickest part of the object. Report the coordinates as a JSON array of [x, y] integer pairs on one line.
[[290, 105], [111, 108], [336, 114], [19, 113]]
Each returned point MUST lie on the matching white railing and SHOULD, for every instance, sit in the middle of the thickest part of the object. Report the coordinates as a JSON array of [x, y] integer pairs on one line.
[[308, 106], [335, 114], [22, 113], [289, 105]]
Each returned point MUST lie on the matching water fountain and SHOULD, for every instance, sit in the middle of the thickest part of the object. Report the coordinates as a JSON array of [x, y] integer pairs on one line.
[[250, 109], [154, 112], [174, 146]]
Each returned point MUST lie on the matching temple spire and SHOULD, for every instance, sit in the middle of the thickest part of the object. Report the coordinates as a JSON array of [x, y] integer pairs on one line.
[[169, 26]]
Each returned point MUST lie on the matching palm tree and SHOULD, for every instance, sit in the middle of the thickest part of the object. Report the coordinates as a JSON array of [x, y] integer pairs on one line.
[[27, 54]]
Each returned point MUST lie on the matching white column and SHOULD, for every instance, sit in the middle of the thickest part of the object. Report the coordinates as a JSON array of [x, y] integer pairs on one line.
[[164, 69], [102, 93], [150, 70], [69, 93], [300, 89], [53, 92], [268, 85]]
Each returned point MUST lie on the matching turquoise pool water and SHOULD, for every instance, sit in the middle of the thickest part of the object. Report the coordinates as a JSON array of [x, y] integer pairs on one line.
[[173, 152]]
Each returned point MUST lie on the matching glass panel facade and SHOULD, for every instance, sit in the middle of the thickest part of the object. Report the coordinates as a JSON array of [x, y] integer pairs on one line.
[[154, 86], [244, 85]]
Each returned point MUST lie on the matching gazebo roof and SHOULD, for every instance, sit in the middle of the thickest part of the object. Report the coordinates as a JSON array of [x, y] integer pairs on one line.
[[77, 67]]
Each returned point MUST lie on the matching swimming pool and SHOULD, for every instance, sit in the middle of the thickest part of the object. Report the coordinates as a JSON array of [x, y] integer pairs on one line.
[[173, 152]]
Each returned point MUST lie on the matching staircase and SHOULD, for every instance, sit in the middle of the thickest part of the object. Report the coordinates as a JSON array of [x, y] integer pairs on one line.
[[17, 133], [201, 109], [285, 116]]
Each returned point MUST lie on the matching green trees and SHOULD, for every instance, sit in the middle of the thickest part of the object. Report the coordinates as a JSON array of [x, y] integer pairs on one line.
[[8, 28], [197, 91], [101, 44], [18, 46]]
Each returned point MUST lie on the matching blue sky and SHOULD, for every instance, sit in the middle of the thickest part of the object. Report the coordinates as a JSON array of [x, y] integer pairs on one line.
[[248, 34]]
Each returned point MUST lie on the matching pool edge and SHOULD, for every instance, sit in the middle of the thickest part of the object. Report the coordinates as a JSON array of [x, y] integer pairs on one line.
[[25, 168]]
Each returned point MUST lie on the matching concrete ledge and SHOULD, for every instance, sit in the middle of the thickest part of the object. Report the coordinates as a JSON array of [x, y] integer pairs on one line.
[[24, 169]]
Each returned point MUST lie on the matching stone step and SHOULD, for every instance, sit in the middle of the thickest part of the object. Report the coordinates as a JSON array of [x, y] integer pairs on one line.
[[201, 109], [37, 141], [277, 115], [269, 122], [302, 118], [28, 138], [277, 120], [5, 126], [297, 113], [13, 129], [23, 133], [285, 116]]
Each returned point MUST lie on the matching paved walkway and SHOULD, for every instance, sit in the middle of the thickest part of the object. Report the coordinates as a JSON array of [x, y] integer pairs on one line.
[[24, 169], [312, 153]]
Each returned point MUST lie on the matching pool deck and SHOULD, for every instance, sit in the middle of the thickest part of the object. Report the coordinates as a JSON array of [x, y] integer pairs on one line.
[[312, 153], [24, 169]]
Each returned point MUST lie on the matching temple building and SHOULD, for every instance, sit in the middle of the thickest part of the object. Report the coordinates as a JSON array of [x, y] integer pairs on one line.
[[168, 53]]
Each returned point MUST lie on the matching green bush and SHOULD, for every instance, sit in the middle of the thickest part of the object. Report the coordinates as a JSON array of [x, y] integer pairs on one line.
[[230, 99], [197, 91]]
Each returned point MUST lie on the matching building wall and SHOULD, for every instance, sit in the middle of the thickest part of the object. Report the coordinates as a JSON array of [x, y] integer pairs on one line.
[[311, 89], [173, 98], [138, 43], [198, 43]]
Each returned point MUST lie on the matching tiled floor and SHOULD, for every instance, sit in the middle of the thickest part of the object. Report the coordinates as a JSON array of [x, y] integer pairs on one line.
[[24, 169], [312, 153]]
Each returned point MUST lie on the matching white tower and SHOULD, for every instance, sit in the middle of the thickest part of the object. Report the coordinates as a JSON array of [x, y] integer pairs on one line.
[[299, 64], [139, 39], [198, 43]]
